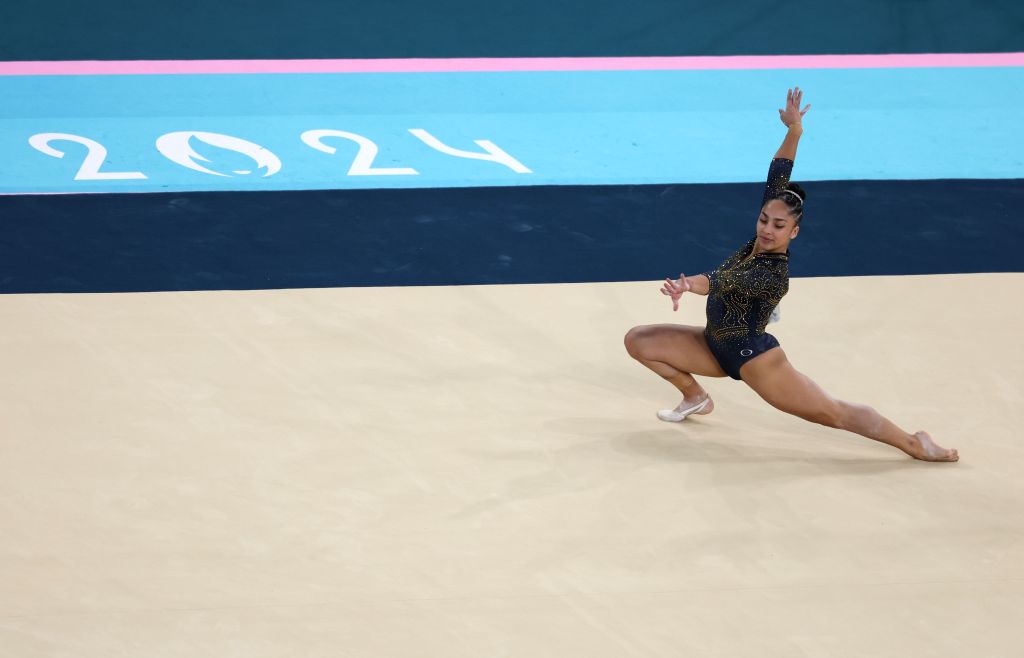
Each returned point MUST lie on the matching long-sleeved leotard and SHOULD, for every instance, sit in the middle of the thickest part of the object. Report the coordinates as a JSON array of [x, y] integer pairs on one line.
[[744, 290]]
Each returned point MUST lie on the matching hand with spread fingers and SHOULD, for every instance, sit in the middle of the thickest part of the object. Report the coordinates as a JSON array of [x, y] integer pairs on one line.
[[793, 115], [675, 289]]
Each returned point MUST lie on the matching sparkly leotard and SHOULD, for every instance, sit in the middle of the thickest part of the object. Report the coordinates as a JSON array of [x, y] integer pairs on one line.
[[744, 291]]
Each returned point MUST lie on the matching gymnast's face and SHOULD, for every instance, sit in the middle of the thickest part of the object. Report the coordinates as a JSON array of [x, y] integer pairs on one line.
[[775, 227]]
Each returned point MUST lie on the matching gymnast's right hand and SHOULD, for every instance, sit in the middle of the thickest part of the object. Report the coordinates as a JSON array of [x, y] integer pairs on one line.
[[675, 289]]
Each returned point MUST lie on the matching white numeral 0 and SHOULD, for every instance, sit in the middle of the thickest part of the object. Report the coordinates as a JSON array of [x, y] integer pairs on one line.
[[176, 147], [90, 169], [362, 165]]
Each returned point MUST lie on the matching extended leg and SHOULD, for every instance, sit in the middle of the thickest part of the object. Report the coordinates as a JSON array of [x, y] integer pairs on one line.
[[774, 379]]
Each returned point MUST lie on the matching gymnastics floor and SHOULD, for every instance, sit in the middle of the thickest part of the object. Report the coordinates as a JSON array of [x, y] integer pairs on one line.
[[478, 471], [311, 323]]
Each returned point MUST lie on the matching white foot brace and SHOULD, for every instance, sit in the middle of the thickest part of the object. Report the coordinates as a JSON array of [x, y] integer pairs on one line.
[[682, 411]]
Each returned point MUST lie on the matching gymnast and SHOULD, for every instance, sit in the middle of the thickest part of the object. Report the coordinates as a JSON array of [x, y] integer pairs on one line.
[[742, 293]]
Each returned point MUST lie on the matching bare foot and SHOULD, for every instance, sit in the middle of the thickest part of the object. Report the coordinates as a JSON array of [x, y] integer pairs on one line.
[[923, 448]]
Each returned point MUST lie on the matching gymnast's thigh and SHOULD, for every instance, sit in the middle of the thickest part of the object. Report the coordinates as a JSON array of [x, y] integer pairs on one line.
[[774, 378], [681, 346]]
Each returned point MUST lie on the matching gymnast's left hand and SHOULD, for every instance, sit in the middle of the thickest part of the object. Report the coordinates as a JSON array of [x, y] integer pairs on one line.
[[793, 116], [675, 289]]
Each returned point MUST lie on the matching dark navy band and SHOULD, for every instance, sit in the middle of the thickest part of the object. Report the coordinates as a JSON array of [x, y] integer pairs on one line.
[[259, 240]]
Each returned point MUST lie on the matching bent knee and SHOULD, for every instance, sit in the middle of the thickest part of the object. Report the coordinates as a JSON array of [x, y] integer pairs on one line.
[[634, 340]]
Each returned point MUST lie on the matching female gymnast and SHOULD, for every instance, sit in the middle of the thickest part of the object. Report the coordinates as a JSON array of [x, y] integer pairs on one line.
[[742, 293]]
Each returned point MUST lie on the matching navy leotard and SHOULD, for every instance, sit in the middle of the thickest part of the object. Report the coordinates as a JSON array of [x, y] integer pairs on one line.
[[744, 290]]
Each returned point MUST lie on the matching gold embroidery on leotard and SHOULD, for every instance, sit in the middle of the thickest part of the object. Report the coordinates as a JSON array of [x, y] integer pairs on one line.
[[747, 287], [744, 292]]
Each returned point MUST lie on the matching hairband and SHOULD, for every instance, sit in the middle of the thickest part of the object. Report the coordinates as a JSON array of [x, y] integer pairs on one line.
[[799, 198]]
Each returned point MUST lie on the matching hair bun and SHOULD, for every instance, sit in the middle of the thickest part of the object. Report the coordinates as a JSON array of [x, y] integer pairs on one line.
[[797, 190]]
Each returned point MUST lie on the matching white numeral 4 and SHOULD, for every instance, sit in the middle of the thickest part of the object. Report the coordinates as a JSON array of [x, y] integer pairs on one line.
[[494, 153]]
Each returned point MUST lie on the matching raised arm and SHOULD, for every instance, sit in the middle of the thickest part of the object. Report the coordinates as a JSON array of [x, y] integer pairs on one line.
[[792, 118], [782, 164]]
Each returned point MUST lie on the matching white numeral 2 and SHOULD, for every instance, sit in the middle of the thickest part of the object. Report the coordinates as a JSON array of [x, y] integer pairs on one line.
[[362, 165], [90, 169]]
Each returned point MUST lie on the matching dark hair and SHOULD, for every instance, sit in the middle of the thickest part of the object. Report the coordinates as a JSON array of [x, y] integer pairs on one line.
[[794, 197]]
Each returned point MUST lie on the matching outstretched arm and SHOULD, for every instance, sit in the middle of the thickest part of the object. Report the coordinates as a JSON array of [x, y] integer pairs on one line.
[[792, 118]]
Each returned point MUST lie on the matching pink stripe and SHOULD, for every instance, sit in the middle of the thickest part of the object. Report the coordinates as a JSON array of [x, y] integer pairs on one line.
[[153, 67]]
